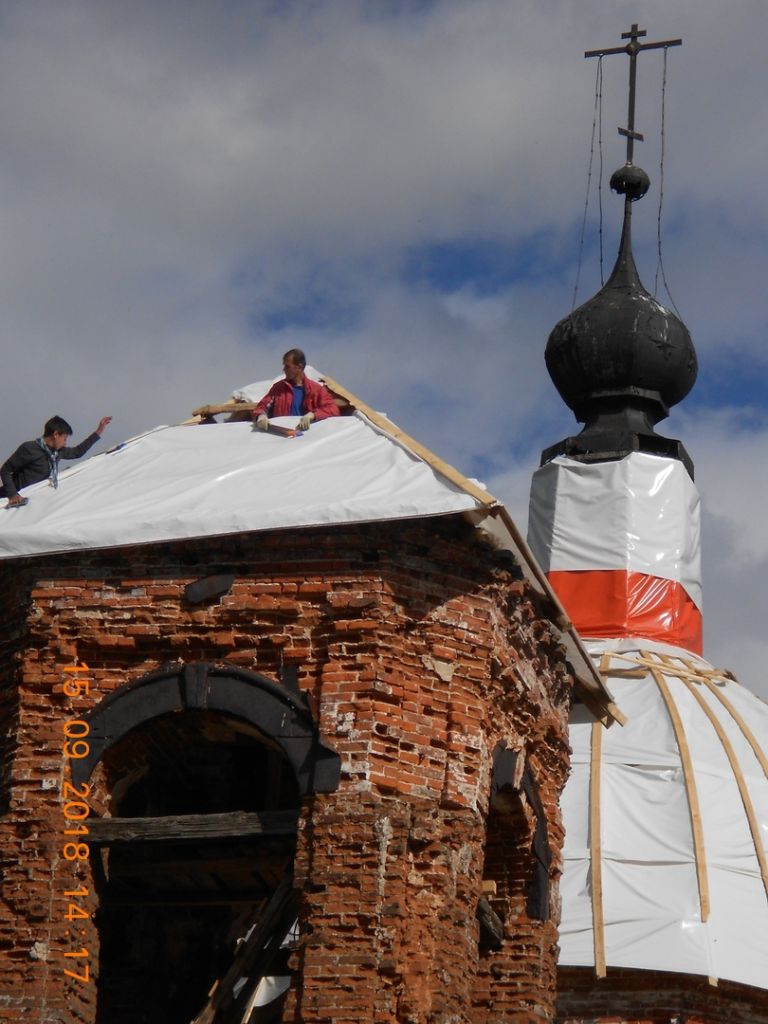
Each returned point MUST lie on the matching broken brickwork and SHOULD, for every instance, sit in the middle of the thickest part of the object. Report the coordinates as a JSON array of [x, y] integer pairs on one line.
[[653, 997], [421, 652]]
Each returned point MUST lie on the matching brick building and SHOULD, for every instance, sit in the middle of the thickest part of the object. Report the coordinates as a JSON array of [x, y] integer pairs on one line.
[[284, 736], [286, 725]]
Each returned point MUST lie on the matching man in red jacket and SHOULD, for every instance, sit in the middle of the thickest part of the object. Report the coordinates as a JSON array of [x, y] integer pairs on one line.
[[295, 395]]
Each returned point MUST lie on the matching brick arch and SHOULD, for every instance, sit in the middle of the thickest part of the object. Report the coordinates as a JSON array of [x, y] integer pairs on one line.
[[278, 714]]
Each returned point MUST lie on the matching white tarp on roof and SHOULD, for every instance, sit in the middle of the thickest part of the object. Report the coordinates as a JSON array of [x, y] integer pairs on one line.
[[195, 481], [650, 890], [256, 391]]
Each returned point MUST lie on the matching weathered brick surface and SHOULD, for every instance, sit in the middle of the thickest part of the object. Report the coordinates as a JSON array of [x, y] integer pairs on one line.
[[419, 649], [653, 997]]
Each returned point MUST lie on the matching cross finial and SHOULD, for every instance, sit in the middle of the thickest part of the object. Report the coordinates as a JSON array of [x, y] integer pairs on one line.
[[633, 47]]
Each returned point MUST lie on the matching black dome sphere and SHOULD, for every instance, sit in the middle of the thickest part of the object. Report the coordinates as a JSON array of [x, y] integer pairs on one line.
[[621, 344], [630, 181]]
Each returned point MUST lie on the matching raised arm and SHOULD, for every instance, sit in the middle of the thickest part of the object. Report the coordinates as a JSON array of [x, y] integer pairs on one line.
[[79, 450]]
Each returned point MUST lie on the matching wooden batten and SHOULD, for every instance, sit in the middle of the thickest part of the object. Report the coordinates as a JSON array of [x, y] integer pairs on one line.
[[596, 849], [749, 736], [749, 809], [694, 807], [184, 827], [438, 464]]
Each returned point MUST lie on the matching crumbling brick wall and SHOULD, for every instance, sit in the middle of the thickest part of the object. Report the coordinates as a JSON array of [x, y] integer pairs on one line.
[[420, 649], [655, 997]]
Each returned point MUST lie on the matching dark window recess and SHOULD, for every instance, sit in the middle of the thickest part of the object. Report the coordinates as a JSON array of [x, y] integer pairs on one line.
[[204, 770], [208, 587], [517, 852]]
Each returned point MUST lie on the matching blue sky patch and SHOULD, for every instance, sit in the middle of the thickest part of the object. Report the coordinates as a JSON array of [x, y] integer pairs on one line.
[[310, 309], [485, 265], [733, 381]]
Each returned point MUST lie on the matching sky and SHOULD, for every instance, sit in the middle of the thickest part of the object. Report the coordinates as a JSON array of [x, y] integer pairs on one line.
[[187, 189]]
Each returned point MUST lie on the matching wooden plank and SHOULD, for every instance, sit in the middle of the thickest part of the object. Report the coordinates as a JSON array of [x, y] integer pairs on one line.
[[749, 810], [188, 827], [252, 957], [709, 673], [749, 736], [674, 667], [278, 431], [604, 710], [440, 466], [206, 411], [491, 926], [217, 408], [626, 673], [595, 846], [694, 808], [230, 406]]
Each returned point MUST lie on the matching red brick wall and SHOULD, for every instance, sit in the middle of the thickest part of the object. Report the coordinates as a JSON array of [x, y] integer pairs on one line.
[[420, 650], [652, 997]]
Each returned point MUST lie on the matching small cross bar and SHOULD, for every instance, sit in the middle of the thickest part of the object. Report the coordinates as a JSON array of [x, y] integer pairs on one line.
[[632, 48]]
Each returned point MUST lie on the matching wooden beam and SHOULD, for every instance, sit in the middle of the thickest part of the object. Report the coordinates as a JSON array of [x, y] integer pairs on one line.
[[699, 849], [230, 406], [188, 827], [749, 809], [749, 736], [252, 958], [491, 926], [596, 849], [390, 428]]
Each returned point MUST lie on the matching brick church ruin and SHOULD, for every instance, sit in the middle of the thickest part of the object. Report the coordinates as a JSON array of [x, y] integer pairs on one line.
[[358, 723], [285, 724]]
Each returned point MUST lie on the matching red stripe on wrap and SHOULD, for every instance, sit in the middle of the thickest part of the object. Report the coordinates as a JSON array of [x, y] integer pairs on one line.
[[616, 603]]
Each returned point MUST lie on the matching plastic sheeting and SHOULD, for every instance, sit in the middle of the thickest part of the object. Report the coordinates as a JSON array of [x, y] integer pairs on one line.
[[639, 514], [257, 390], [196, 481], [651, 901], [611, 603]]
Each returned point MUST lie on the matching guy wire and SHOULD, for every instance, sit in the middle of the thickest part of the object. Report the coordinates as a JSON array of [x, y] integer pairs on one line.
[[597, 125], [659, 260]]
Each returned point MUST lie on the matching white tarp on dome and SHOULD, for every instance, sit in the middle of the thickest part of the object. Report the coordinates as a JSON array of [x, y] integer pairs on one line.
[[639, 513], [675, 897]]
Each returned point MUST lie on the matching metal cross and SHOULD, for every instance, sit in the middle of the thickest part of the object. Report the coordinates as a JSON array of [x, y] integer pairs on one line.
[[633, 47]]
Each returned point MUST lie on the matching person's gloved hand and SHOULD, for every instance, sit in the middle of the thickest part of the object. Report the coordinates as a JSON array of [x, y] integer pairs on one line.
[[262, 422], [305, 420]]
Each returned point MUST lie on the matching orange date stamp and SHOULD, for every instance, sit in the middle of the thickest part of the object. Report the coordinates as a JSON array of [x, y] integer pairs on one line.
[[75, 811]]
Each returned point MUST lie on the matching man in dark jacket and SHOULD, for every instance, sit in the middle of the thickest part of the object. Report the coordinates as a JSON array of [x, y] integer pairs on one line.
[[39, 459]]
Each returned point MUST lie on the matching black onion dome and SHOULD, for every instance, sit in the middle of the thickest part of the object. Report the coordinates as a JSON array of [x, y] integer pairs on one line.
[[620, 361], [621, 342]]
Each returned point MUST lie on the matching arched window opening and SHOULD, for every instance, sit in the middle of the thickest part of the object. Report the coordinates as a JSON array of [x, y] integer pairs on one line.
[[193, 840], [517, 852], [193, 876]]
